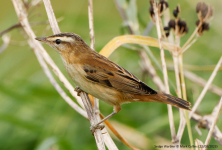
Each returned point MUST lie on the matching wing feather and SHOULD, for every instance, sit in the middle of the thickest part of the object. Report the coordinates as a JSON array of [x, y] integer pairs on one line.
[[109, 74]]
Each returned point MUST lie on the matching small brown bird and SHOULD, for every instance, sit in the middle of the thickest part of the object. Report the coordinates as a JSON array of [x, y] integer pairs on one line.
[[102, 78]]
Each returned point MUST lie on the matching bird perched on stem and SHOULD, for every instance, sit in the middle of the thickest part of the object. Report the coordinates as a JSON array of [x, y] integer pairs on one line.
[[102, 78]]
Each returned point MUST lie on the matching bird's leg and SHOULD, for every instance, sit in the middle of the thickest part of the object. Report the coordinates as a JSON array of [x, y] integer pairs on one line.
[[98, 125], [78, 90]]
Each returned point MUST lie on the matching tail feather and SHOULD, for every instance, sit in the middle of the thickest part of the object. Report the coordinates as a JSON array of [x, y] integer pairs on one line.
[[166, 98]]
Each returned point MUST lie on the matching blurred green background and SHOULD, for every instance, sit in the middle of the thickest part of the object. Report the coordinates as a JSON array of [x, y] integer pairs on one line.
[[34, 116]]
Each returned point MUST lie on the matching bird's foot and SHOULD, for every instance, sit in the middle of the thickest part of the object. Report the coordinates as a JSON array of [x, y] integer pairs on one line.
[[96, 126], [78, 90]]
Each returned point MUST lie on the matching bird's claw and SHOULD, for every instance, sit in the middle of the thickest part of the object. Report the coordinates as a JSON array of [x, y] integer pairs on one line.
[[78, 90], [96, 126]]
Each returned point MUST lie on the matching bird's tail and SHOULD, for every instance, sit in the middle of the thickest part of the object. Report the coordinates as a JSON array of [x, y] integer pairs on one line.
[[161, 97]]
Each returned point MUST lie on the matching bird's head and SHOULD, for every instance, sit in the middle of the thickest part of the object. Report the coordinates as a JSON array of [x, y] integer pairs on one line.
[[65, 42]]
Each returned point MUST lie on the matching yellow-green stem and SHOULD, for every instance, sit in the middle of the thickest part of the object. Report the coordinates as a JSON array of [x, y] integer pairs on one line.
[[185, 98]]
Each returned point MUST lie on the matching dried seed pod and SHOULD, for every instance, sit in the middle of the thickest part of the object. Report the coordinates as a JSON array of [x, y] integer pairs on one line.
[[163, 5], [181, 28], [197, 23], [151, 11], [152, 14], [206, 26], [185, 31], [176, 11], [166, 28], [178, 8], [204, 11], [172, 24], [182, 23]]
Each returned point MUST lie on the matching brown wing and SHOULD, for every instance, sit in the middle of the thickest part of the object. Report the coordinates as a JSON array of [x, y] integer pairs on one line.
[[101, 70]]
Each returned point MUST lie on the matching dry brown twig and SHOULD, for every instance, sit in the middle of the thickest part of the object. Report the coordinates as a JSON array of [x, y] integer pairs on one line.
[[92, 45], [93, 120], [175, 56], [170, 113], [110, 144]]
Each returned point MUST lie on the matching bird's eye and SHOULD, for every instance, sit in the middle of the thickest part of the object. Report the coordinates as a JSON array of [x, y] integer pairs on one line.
[[58, 41]]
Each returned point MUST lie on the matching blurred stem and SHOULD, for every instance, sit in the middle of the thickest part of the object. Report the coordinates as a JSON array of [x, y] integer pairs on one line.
[[176, 67], [170, 112], [191, 37], [177, 76], [185, 98], [191, 43]]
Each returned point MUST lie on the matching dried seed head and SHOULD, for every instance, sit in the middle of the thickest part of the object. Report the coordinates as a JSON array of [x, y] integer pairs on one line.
[[204, 27], [182, 28], [178, 8], [166, 28], [172, 24], [162, 5], [151, 11], [197, 22], [176, 11], [152, 15], [204, 11]]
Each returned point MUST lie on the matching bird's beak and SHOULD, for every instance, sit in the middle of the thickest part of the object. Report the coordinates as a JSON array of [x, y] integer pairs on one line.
[[42, 39]]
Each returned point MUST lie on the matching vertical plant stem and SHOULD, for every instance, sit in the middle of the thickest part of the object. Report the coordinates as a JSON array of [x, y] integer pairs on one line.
[[176, 68], [92, 45], [170, 113], [51, 16], [91, 27], [107, 139], [93, 120], [185, 98]]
